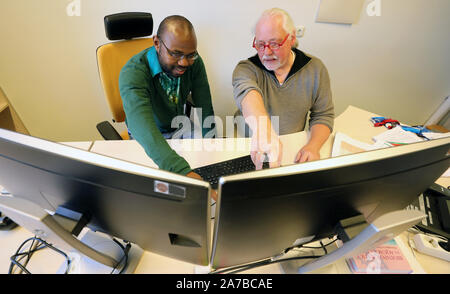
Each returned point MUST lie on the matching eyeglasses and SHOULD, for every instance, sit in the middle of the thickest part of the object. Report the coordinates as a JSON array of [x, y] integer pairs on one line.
[[261, 46], [178, 56]]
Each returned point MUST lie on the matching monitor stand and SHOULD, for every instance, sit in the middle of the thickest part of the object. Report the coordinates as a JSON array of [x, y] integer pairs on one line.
[[381, 230], [81, 264], [94, 253]]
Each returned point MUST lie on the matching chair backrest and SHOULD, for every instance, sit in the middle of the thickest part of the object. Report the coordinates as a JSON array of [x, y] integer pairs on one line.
[[113, 56]]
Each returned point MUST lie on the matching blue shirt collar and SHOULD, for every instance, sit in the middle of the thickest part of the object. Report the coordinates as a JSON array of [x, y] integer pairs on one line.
[[153, 62]]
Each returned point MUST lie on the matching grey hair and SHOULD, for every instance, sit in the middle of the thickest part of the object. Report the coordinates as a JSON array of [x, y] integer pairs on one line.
[[288, 23]]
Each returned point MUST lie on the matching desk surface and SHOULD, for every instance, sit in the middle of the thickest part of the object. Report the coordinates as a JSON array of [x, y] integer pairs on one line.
[[354, 122]]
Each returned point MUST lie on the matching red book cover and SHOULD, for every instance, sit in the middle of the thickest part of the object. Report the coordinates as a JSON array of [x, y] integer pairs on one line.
[[384, 259]]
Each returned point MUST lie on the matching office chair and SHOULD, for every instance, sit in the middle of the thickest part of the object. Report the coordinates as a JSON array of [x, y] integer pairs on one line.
[[111, 57]]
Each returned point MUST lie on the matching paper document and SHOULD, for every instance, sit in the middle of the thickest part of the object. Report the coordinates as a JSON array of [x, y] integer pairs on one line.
[[433, 135], [397, 136], [344, 145], [446, 174]]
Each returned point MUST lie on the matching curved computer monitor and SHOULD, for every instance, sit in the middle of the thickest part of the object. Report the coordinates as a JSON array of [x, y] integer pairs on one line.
[[260, 214], [160, 211]]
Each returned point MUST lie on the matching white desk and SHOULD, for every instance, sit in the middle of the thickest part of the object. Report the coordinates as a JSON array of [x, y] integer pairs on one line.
[[86, 145], [353, 122]]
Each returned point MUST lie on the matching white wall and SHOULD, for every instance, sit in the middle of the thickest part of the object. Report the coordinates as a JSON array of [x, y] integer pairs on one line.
[[396, 64]]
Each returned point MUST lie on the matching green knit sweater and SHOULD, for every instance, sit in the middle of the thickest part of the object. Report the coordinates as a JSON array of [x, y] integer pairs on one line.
[[149, 112]]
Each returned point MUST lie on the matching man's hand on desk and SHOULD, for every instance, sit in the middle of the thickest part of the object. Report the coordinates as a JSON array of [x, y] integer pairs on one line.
[[307, 153], [311, 151], [197, 176], [193, 175], [270, 146]]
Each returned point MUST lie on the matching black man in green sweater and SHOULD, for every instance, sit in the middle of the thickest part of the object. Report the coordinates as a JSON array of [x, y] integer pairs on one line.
[[154, 86]]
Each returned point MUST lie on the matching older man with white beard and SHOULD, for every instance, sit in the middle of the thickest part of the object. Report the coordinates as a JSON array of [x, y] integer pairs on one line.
[[283, 82]]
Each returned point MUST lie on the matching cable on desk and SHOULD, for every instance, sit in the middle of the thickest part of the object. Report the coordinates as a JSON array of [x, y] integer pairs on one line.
[[417, 230], [280, 260], [39, 244], [36, 245], [323, 247], [125, 249], [240, 268], [224, 271], [33, 246], [268, 261], [410, 243], [310, 247]]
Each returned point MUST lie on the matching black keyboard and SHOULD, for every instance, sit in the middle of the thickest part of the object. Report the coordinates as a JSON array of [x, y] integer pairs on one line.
[[212, 173]]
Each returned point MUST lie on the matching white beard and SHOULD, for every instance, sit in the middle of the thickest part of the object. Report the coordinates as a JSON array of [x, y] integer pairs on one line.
[[271, 62]]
